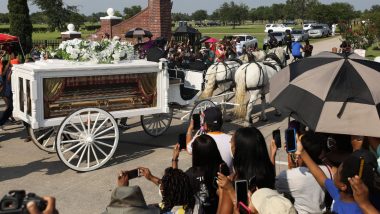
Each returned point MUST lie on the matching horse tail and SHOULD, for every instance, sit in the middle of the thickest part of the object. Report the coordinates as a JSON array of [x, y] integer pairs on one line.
[[210, 82], [241, 90]]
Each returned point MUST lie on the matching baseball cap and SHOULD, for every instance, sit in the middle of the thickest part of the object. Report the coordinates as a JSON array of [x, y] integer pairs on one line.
[[268, 201], [213, 115]]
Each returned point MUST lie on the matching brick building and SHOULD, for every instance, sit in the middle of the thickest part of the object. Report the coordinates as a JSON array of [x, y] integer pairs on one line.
[[156, 18]]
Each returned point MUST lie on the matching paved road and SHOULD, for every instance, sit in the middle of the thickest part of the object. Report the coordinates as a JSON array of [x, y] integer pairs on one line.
[[24, 166]]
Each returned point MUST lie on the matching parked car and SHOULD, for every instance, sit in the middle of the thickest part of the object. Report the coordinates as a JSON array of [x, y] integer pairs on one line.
[[212, 23], [280, 36], [301, 35], [307, 27], [247, 40], [289, 22], [318, 31], [276, 28], [327, 28], [199, 24]]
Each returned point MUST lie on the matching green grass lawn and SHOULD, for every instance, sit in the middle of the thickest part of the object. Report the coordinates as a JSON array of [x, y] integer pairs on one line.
[[373, 51], [56, 35]]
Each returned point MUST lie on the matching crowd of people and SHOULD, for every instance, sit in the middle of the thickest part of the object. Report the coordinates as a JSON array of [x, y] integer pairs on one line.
[[327, 174]]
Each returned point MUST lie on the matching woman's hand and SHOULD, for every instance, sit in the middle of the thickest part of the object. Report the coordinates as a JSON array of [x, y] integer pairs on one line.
[[273, 151], [122, 179], [176, 152], [146, 173], [50, 208], [224, 182]]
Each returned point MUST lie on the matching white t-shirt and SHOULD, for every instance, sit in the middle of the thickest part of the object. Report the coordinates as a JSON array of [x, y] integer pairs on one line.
[[308, 196], [223, 142], [239, 47]]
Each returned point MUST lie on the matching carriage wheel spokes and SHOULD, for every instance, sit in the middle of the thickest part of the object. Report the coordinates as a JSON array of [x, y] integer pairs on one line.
[[87, 139], [200, 107], [43, 138], [156, 124]]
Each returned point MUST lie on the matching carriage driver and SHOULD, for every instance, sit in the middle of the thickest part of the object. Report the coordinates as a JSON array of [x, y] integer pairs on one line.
[[212, 125]]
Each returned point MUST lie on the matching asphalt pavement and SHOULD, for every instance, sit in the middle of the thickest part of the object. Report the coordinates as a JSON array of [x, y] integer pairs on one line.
[[24, 166]]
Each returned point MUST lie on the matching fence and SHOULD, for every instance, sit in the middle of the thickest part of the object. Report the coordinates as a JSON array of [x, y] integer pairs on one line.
[[47, 43]]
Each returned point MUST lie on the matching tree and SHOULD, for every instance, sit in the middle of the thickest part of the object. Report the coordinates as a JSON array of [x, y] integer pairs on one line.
[[372, 17], [300, 8], [74, 16], [4, 18], [59, 14], [199, 15], [95, 17], [215, 15], [19, 21], [131, 11], [233, 13], [180, 17], [39, 18]]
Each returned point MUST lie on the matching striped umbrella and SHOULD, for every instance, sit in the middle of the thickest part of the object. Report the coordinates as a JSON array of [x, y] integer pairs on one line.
[[331, 93], [138, 32]]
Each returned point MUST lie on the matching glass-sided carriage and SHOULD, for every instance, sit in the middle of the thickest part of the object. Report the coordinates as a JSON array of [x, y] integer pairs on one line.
[[71, 107]]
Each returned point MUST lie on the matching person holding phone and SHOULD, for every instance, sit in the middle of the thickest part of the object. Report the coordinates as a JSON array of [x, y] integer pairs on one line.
[[251, 160], [206, 162], [128, 199], [212, 126], [298, 183]]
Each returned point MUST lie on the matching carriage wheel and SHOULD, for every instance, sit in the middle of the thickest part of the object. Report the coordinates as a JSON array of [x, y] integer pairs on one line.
[[156, 124], [44, 138], [200, 107], [87, 139]]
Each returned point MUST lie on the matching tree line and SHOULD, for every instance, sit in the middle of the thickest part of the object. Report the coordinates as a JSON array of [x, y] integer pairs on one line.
[[230, 12], [56, 15]]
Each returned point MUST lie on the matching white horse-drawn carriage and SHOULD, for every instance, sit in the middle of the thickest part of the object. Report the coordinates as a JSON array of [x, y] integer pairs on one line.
[[72, 108]]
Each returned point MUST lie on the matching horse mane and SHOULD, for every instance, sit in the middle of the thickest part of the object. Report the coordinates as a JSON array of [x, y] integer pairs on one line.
[[236, 60]]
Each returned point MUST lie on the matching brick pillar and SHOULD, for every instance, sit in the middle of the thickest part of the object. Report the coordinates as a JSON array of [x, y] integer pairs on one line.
[[106, 24], [160, 16]]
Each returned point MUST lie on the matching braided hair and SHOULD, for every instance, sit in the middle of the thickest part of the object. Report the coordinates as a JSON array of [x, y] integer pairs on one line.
[[176, 190]]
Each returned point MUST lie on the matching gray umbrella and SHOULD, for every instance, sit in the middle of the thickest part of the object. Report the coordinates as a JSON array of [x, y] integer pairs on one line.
[[138, 32], [331, 93]]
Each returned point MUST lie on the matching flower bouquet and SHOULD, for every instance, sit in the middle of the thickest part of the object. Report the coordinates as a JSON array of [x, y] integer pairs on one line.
[[103, 52]]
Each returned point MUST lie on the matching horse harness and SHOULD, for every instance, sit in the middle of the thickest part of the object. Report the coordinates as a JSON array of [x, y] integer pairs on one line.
[[226, 79], [276, 59], [260, 77], [258, 87]]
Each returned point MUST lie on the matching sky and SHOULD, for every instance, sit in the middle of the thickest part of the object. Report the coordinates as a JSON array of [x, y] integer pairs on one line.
[[186, 6]]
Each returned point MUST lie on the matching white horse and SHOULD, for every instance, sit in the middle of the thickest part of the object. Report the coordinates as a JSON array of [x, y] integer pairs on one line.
[[219, 75], [254, 79], [257, 56]]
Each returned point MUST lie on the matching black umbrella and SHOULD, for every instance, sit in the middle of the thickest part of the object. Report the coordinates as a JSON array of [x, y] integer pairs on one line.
[[138, 32], [332, 93]]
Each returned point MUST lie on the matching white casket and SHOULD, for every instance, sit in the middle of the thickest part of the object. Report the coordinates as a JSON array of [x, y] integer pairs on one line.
[[45, 92]]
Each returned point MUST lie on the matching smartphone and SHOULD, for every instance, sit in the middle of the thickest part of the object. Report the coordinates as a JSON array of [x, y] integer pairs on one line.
[[291, 141], [197, 121], [243, 209], [133, 174], [182, 141], [241, 189], [277, 137], [223, 168]]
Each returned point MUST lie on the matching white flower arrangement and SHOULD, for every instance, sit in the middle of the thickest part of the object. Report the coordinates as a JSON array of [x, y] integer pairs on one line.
[[103, 52]]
